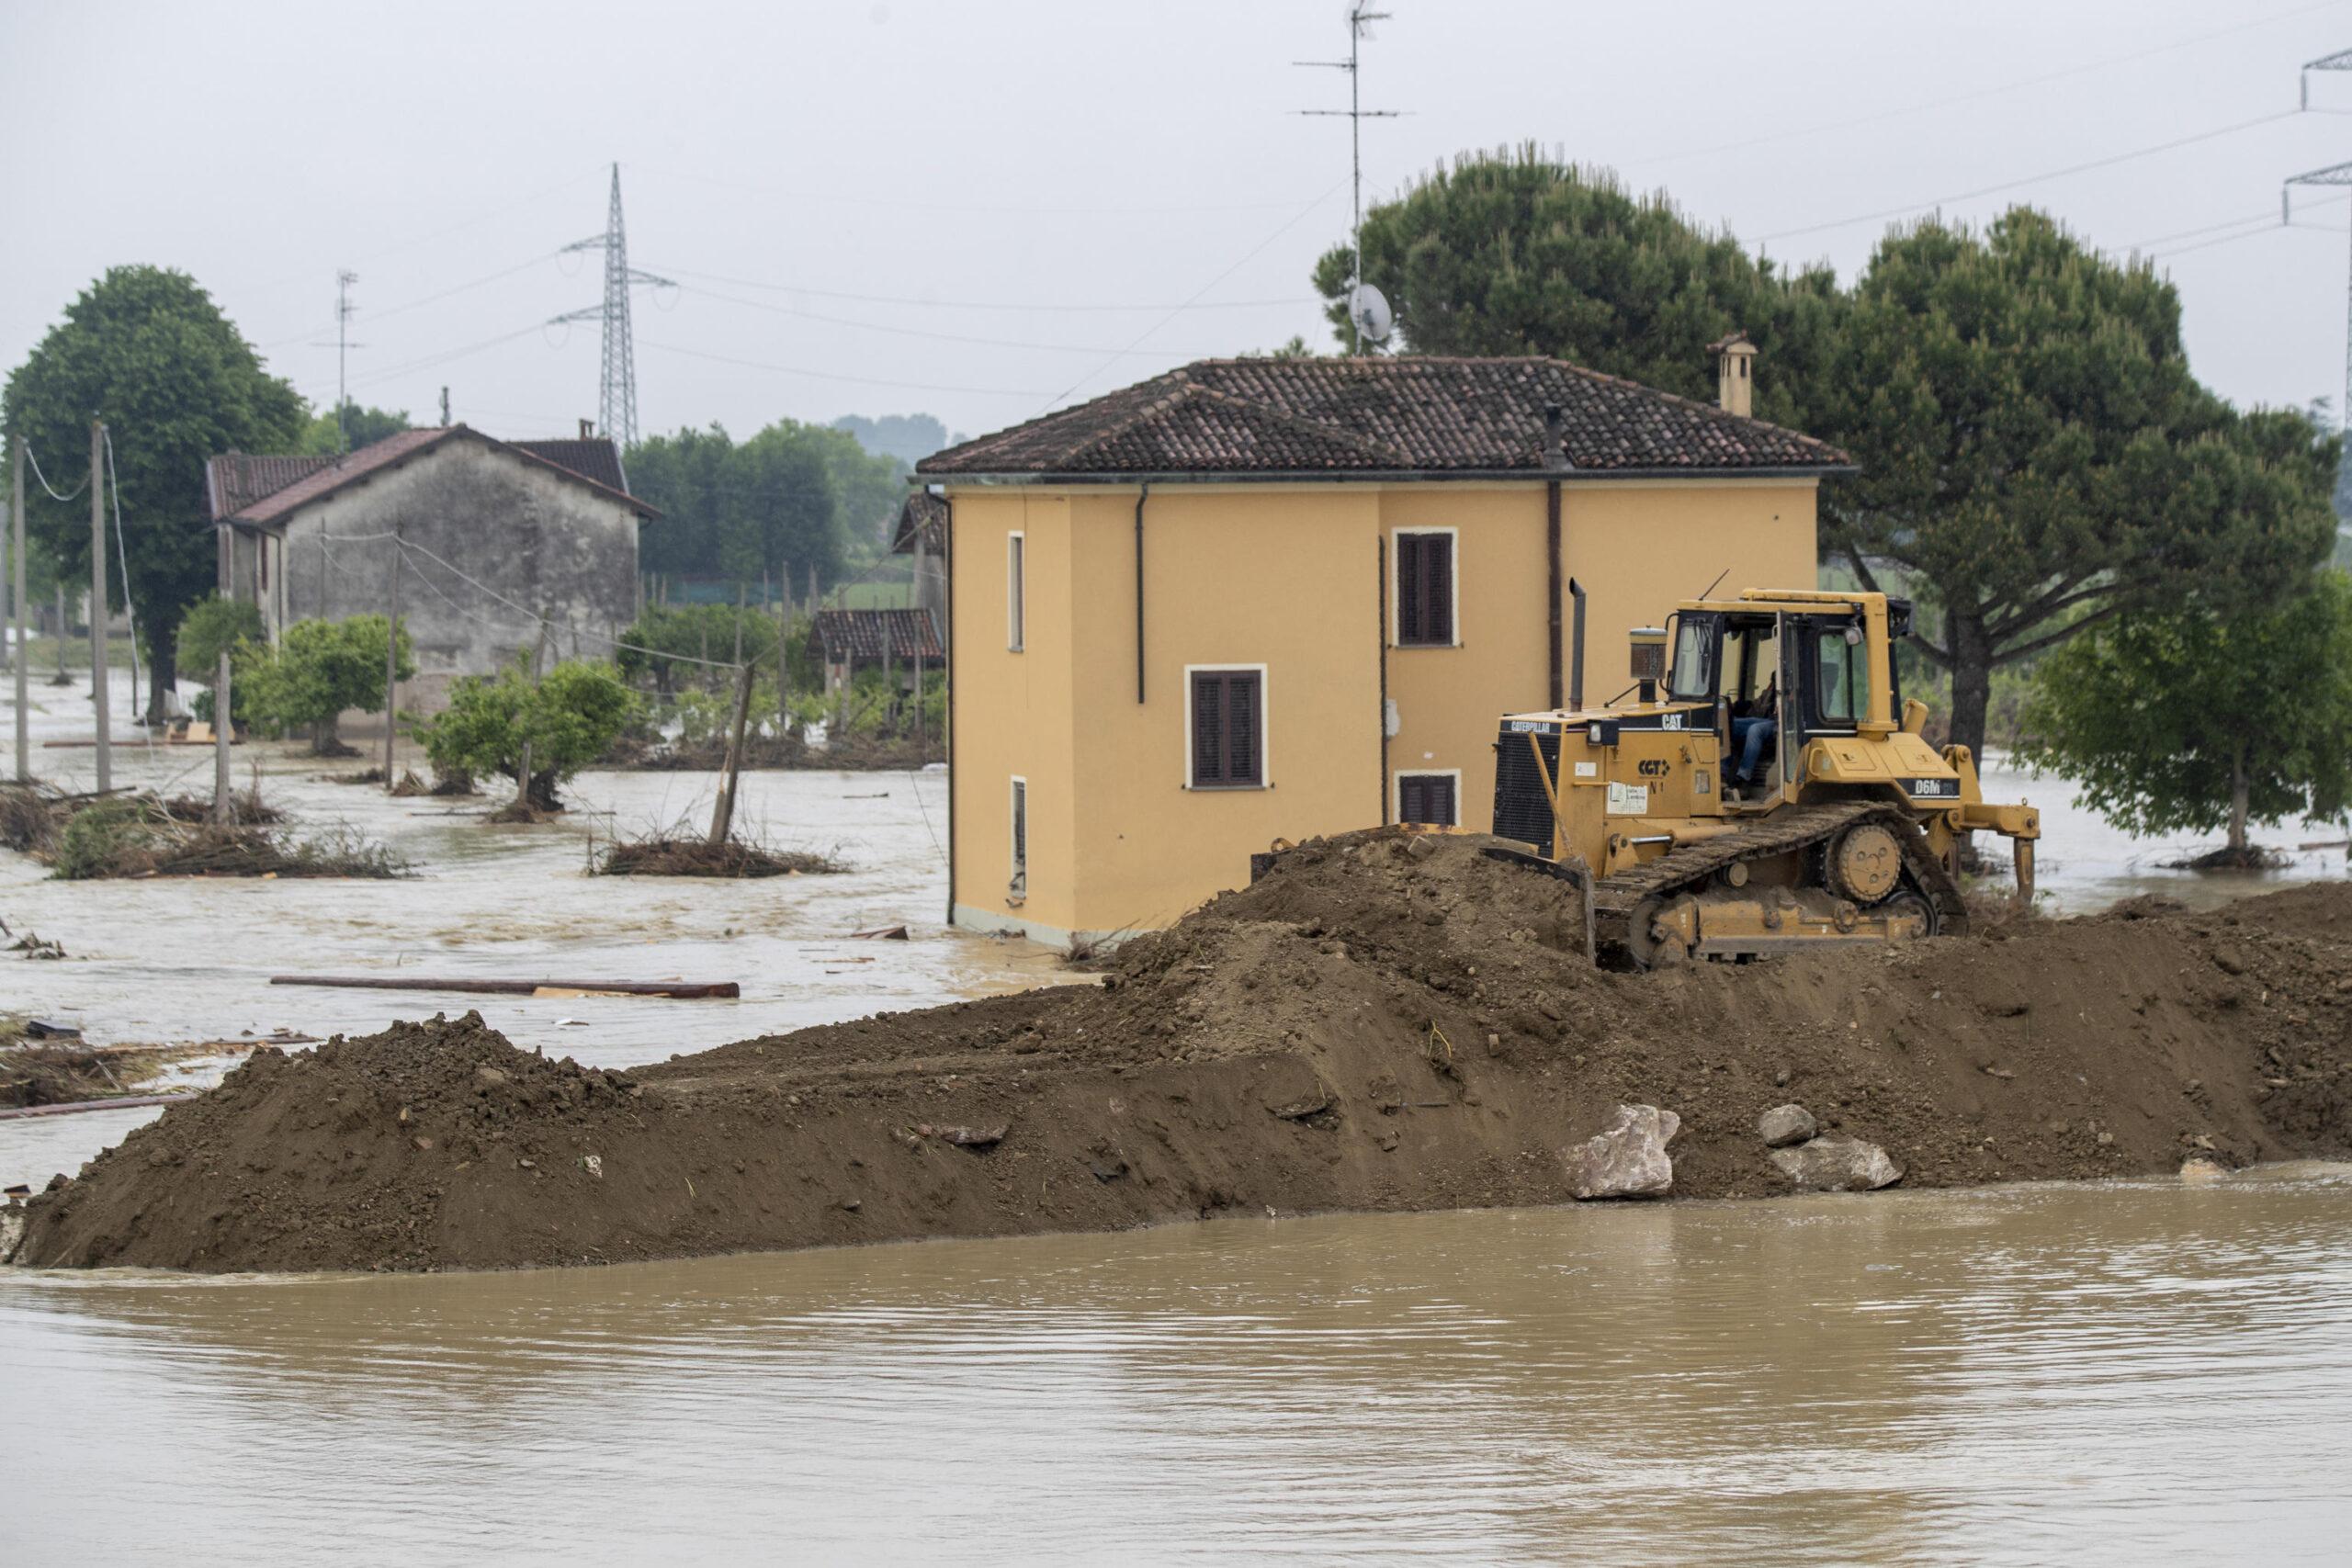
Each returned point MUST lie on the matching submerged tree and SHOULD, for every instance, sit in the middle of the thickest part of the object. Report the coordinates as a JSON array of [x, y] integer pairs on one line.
[[146, 350], [319, 669], [562, 722], [2197, 720]]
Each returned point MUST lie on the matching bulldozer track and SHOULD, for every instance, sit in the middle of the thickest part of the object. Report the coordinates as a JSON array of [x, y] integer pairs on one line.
[[1619, 901]]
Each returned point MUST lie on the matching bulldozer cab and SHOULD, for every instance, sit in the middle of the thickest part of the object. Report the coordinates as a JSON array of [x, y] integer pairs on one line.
[[1813, 672]]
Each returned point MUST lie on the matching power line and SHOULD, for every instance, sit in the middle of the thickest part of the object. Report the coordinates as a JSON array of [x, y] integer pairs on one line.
[[2105, 163], [829, 376], [1248, 256], [900, 332], [69, 495], [1974, 95], [984, 304]]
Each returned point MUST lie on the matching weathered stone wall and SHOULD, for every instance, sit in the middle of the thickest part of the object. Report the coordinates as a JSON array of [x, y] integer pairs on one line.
[[531, 541]]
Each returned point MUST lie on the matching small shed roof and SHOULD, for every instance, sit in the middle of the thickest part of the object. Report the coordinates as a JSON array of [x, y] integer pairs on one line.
[[841, 635], [924, 516]]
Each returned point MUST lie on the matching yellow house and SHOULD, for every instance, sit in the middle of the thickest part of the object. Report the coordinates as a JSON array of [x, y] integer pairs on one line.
[[1264, 599]]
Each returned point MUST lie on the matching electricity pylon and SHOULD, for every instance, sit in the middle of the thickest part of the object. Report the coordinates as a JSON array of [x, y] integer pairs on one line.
[[616, 391]]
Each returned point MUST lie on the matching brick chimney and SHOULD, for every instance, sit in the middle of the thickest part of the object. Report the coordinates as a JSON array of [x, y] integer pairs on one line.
[[1734, 365]]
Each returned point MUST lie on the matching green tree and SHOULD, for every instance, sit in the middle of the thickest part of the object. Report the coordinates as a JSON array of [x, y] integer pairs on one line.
[[319, 669], [323, 436], [2191, 720], [1519, 251], [146, 350], [566, 718], [792, 497], [211, 627], [2034, 455], [2034, 451]]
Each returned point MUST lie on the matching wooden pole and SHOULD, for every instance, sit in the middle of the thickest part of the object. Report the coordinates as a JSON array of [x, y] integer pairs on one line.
[[722, 814], [62, 678], [224, 807], [740, 591], [98, 693], [391, 663], [23, 649], [783, 657]]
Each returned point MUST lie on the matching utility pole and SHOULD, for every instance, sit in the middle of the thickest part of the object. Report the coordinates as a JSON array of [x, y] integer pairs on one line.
[[616, 391], [445, 408], [392, 658], [343, 278], [1361, 16], [23, 652], [224, 807], [98, 694]]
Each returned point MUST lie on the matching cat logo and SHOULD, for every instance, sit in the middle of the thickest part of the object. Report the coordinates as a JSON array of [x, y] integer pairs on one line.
[[1655, 768]]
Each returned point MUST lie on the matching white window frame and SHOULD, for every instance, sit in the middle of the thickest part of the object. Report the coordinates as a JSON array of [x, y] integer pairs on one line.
[[1265, 726], [1396, 790], [1016, 590], [1016, 887], [1397, 587]]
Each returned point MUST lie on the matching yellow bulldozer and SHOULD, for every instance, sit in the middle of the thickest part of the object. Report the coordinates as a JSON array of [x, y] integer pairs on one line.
[[1766, 790]]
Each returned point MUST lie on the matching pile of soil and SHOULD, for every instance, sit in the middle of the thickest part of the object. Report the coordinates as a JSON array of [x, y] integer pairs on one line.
[[1383, 1022], [700, 857]]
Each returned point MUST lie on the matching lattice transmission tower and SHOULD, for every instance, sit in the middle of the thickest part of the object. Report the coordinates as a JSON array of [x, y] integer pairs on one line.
[[616, 391]]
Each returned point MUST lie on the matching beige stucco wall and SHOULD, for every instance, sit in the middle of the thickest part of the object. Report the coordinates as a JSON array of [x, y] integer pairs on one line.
[[1286, 577]]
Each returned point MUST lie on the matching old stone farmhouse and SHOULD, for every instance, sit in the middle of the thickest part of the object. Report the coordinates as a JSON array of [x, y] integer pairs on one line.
[[502, 547]]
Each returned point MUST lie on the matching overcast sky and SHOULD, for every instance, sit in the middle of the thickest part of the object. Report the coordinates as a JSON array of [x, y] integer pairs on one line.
[[980, 209]]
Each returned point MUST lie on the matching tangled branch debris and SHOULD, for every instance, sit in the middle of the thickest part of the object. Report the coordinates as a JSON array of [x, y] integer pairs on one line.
[[699, 857]]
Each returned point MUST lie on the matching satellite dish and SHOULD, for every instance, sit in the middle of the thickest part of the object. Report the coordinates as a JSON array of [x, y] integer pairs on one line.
[[1368, 308]]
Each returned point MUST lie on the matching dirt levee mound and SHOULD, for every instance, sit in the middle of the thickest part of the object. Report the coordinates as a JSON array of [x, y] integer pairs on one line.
[[1382, 1023]]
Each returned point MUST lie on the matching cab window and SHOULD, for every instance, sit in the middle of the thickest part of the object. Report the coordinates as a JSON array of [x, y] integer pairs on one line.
[[1693, 674], [1841, 678]]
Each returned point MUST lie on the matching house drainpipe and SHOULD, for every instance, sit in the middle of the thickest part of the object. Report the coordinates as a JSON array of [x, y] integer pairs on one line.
[[1575, 670], [1141, 496], [1554, 456]]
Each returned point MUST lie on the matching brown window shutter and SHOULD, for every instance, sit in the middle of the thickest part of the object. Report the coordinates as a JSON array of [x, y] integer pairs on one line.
[[1410, 806], [1437, 581], [1408, 588], [1226, 718], [1426, 798], [1425, 590]]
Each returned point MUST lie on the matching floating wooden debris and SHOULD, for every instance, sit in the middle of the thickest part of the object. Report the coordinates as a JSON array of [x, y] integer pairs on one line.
[[881, 933], [684, 990]]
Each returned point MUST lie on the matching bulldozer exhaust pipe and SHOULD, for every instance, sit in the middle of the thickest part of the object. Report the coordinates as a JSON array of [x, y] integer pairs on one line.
[[1575, 648]]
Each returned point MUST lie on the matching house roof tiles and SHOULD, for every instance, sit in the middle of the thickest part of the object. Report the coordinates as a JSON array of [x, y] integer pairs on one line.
[[840, 636], [1382, 415], [265, 489]]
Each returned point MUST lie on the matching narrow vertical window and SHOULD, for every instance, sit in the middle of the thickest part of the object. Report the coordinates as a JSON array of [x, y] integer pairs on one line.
[[1425, 590], [1015, 592], [1229, 735], [1019, 886], [1428, 799]]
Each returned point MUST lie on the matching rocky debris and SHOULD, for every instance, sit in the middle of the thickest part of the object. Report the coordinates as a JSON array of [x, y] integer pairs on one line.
[[1785, 1125], [1838, 1165], [1627, 1158]]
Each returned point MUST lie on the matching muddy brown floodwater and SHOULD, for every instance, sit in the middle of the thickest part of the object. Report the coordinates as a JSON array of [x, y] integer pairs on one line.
[[2114, 1372]]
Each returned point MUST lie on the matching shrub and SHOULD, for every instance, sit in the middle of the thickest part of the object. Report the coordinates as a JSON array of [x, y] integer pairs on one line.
[[317, 670], [566, 718]]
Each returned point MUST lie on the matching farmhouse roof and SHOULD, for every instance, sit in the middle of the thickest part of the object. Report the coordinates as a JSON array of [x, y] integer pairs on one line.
[[1376, 417], [841, 635], [924, 515], [245, 489]]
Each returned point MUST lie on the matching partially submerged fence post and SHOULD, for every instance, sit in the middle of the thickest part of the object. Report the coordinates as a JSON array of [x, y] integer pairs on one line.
[[392, 659], [224, 804], [722, 815]]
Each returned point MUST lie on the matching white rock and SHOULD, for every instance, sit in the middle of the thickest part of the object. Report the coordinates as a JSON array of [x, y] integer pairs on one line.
[[1785, 1125], [1628, 1158], [1838, 1165]]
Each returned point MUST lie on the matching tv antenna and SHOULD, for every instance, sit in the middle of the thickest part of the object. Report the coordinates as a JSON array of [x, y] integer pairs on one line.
[[344, 310], [617, 378], [1365, 303]]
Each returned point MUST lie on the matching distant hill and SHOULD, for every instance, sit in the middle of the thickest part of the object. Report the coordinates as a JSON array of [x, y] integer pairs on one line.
[[910, 437]]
